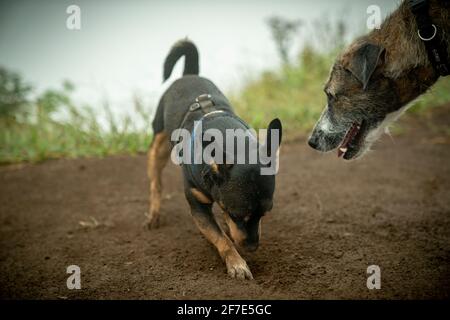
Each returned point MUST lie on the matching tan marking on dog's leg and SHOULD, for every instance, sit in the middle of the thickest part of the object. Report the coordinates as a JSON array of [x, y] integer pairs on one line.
[[236, 265], [237, 235], [157, 159], [200, 196]]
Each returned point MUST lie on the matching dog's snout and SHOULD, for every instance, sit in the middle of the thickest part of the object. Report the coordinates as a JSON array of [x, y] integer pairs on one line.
[[251, 246], [313, 142]]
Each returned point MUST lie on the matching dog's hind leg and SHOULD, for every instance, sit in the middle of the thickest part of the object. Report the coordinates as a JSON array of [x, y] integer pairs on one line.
[[157, 159]]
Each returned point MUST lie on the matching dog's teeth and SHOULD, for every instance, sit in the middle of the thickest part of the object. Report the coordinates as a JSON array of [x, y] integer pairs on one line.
[[342, 151]]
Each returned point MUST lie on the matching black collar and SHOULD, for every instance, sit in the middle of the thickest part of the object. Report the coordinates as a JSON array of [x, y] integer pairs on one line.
[[431, 36]]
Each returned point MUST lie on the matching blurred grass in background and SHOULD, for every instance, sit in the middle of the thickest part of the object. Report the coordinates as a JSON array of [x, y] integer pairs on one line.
[[31, 131], [50, 125]]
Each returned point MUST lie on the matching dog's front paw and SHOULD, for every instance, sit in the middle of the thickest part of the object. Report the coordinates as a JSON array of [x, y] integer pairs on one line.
[[152, 221], [237, 267]]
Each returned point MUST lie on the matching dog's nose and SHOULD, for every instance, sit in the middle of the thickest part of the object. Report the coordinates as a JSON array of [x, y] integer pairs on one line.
[[313, 142], [251, 246]]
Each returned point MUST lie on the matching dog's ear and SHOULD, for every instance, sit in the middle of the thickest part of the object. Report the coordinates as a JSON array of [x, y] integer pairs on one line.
[[364, 62], [275, 124]]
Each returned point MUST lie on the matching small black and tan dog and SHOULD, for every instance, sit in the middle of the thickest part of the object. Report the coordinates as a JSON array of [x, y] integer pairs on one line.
[[243, 194]]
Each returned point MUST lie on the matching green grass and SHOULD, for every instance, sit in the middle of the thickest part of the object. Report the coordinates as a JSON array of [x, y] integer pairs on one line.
[[78, 136], [293, 94]]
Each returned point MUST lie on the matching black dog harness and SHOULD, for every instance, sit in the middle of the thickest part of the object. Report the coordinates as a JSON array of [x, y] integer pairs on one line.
[[431, 35]]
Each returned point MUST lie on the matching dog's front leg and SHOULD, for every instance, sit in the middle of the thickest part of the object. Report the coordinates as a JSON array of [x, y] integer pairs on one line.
[[201, 212]]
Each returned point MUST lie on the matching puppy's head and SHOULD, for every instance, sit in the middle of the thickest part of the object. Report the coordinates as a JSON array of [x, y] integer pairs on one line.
[[363, 99], [245, 196]]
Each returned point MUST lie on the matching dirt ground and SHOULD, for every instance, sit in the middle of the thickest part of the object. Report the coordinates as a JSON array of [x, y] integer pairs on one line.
[[331, 220]]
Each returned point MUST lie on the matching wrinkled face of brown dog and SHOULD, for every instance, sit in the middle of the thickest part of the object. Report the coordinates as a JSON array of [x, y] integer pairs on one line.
[[361, 103]]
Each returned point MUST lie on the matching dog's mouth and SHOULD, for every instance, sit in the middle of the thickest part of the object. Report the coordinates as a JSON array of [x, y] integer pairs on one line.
[[353, 140]]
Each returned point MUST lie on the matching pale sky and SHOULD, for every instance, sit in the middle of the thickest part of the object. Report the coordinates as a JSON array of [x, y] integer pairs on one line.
[[121, 46]]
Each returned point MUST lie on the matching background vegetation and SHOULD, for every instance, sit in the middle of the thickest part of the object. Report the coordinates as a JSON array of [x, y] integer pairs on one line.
[[35, 127], [50, 125]]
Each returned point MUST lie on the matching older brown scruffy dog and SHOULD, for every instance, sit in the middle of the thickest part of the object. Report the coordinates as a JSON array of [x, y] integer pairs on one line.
[[374, 79]]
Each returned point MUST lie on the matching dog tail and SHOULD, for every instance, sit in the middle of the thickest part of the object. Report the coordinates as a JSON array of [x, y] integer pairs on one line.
[[181, 48]]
